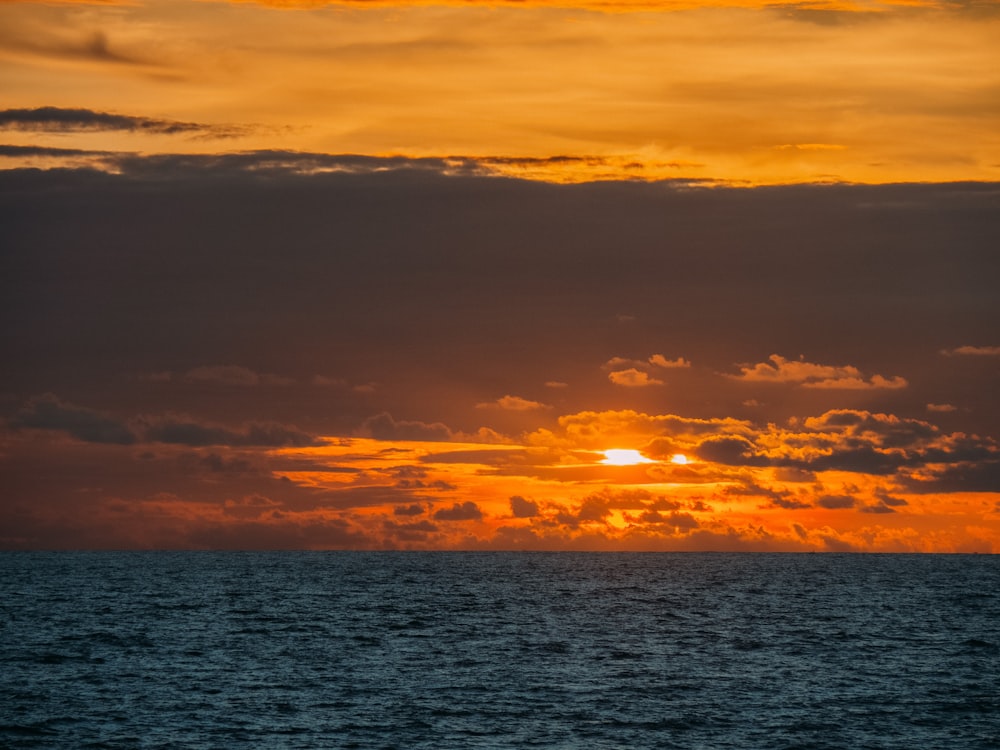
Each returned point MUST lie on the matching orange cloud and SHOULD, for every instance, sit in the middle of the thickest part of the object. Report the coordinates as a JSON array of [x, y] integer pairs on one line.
[[513, 403], [810, 375], [632, 378], [845, 479], [660, 361]]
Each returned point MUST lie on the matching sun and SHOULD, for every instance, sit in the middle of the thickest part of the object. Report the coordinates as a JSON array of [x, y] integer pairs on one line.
[[679, 458], [624, 457]]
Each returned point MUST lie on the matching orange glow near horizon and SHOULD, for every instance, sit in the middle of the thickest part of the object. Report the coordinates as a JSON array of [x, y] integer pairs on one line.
[[474, 494]]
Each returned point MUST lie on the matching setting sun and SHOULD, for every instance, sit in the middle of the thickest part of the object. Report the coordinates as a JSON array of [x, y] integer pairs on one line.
[[624, 457], [679, 459]]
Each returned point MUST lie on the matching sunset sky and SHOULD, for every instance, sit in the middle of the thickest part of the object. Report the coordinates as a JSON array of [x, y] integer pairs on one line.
[[280, 275]]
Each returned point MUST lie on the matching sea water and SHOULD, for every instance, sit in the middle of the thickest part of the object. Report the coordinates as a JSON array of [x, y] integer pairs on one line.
[[498, 650]]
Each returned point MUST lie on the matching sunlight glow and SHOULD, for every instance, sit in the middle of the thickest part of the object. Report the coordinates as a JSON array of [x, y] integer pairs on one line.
[[624, 457], [679, 458]]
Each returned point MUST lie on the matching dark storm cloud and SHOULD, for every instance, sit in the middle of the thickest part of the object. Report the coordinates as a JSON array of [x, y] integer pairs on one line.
[[62, 120], [49, 413]]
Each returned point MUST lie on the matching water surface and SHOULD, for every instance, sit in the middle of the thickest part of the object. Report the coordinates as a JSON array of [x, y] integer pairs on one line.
[[498, 650]]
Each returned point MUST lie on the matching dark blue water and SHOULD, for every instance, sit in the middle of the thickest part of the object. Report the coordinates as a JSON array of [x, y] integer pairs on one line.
[[480, 650]]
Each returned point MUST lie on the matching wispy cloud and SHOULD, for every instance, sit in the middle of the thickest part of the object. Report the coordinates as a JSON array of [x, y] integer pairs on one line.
[[62, 120], [972, 351]]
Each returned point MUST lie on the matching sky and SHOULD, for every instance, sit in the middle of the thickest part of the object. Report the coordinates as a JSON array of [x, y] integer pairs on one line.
[[543, 275]]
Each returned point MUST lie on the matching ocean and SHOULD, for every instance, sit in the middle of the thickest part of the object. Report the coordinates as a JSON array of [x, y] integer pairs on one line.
[[498, 650]]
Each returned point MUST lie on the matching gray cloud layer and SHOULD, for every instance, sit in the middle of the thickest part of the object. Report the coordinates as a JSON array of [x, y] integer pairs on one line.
[[447, 287]]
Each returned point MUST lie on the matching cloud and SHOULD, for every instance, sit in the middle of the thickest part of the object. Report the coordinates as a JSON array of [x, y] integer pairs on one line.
[[522, 508], [251, 506], [217, 464], [513, 403], [413, 509], [621, 362], [660, 361], [61, 120], [416, 531], [881, 430], [876, 508], [597, 429], [187, 432], [730, 450], [384, 427], [979, 476], [47, 412], [859, 384], [632, 378], [810, 375], [52, 151], [467, 511], [941, 408], [973, 351], [835, 502], [891, 500], [848, 440]]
